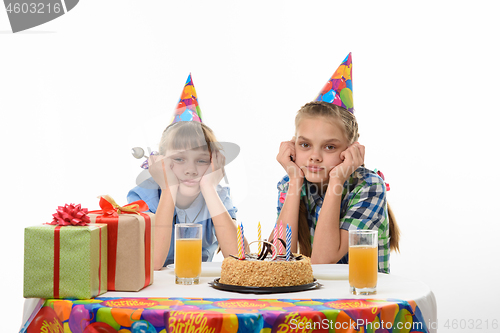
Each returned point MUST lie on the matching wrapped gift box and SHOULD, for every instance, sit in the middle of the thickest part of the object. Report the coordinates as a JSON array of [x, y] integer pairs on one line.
[[65, 262], [130, 244]]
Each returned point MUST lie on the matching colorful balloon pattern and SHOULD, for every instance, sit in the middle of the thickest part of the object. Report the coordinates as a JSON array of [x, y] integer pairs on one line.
[[226, 315], [46, 319], [338, 90], [188, 108]]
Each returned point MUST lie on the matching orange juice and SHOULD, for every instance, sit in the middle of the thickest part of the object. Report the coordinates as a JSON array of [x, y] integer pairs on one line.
[[187, 258], [363, 264]]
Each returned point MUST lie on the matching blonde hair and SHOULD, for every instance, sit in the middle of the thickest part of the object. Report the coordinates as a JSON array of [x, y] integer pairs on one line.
[[185, 135], [331, 112], [334, 113]]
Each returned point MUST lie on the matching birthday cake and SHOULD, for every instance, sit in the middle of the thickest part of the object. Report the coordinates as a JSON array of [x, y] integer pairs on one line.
[[265, 270]]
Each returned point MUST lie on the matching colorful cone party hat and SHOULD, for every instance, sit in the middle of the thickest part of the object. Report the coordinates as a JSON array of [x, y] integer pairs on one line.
[[188, 108], [338, 90]]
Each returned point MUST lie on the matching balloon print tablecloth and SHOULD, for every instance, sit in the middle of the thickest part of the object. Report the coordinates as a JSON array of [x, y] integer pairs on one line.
[[197, 315]]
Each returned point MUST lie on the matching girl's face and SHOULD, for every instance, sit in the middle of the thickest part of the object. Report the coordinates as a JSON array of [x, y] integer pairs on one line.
[[189, 166], [318, 145]]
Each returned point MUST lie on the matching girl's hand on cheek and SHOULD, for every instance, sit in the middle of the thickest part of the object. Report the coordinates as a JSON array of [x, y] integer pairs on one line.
[[160, 168], [352, 158], [215, 172], [286, 157]]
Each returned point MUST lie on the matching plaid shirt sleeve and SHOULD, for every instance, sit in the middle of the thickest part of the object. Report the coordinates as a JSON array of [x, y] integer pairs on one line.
[[367, 209]]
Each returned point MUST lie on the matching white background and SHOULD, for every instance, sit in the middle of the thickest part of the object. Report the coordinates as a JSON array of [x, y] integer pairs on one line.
[[77, 93]]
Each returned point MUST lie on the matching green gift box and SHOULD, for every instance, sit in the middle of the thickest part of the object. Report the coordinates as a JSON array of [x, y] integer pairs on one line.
[[65, 262]]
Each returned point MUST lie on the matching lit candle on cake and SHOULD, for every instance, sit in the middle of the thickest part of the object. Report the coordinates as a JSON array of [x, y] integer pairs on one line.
[[240, 248], [280, 245], [259, 235], [288, 242]]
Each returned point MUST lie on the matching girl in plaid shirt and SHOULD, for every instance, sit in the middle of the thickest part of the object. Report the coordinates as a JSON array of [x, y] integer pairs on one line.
[[327, 190]]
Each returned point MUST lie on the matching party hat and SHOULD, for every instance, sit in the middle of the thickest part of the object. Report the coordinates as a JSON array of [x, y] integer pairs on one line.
[[338, 90], [188, 108]]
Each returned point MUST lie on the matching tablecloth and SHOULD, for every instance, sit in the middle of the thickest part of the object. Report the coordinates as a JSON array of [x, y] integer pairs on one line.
[[401, 305]]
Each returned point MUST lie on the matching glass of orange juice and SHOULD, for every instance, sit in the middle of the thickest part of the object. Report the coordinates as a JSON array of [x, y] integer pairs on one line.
[[363, 261], [187, 261]]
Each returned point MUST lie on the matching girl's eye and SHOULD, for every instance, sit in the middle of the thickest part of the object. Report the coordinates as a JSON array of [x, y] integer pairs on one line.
[[203, 162], [304, 145], [178, 160], [330, 147]]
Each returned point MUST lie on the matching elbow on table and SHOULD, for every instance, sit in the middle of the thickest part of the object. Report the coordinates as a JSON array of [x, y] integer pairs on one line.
[[321, 259], [158, 263]]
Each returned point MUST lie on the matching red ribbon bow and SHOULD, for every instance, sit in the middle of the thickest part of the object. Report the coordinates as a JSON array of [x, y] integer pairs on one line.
[[70, 215], [110, 208]]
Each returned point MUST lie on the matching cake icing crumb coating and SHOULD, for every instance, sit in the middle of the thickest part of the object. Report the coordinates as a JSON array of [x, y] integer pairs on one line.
[[258, 273]]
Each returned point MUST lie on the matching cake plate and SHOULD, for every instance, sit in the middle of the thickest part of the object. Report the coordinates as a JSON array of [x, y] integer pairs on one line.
[[264, 290]]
